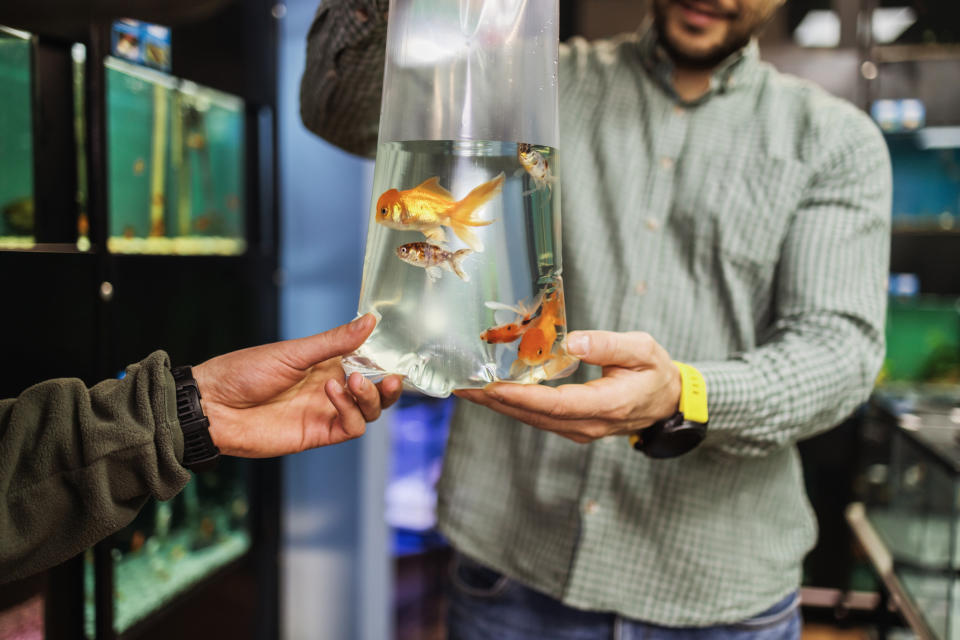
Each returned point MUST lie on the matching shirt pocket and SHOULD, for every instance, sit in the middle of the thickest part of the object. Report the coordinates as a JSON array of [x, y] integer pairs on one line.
[[739, 212]]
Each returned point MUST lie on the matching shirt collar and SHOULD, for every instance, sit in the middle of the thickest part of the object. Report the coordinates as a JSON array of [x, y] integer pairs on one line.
[[734, 71]]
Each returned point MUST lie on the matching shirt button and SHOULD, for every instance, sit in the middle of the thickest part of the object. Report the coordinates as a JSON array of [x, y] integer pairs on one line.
[[640, 288], [590, 507], [666, 162], [680, 111], [653, 224]]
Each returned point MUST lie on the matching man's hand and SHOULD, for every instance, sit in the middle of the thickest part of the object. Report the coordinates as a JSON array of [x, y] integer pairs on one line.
[[640, 385], [290, 396]]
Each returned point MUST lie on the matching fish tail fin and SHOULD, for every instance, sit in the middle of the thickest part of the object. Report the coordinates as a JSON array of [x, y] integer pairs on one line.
[[456, 263], [462, 215], [518, 368], [469, 237]]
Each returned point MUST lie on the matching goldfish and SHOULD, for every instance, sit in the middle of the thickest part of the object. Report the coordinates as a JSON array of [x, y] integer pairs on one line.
[[433, 258], [429, 207], [513, 330], [536, 165], [536, 346]]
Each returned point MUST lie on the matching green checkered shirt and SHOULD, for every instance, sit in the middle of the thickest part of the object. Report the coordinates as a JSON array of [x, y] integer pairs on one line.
[[748, 233]]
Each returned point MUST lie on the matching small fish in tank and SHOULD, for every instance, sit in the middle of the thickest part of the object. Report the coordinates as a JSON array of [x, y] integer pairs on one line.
[[429, 207], [536, 165], [433, 258]]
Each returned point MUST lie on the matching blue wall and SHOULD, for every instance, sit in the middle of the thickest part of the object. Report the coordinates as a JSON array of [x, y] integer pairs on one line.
[[335, 580]]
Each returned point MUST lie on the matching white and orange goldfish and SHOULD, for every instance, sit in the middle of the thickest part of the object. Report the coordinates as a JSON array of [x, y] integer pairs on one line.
[[433, 258], [513, 330], [536, 166], [536, 346], [429, 207]]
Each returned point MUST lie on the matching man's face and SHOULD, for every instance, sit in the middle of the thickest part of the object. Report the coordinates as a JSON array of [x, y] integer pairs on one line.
[[701, 33]]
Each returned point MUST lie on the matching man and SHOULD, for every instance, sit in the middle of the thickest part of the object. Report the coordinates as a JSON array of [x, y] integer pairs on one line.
[[76, 464], [739, 219]]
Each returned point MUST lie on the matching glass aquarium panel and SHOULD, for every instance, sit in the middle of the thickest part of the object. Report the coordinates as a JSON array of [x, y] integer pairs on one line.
[[926, 185], [923, 340], [176, 160], [172, 546], [16, 141]]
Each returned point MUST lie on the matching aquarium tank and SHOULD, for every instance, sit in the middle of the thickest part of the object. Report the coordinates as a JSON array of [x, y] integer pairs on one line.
[[175, 165], [170, 547], [16, 141]]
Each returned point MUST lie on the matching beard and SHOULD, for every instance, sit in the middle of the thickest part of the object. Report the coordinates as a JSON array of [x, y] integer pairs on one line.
[[741, 29]]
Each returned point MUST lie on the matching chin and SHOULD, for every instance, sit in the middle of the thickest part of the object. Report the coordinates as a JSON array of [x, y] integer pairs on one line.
[[694, 45]]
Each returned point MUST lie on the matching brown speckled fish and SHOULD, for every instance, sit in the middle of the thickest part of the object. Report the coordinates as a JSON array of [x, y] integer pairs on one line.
[[433, 258]]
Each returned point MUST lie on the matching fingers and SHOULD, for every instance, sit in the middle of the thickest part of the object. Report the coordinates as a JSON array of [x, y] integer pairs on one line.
[[303, 353], [633, 350], [390, 389], [599, 398], [580, 431], [351, 419], [367, 396]]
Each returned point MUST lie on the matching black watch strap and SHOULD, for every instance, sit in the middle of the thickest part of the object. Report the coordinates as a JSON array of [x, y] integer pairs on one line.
[[671, 437], [199, 452]]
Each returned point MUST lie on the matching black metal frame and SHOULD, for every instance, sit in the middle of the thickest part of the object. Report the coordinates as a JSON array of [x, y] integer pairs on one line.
[[66, 285]]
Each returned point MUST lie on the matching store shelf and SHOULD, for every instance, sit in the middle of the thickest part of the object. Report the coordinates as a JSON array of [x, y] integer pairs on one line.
[[894, 53]]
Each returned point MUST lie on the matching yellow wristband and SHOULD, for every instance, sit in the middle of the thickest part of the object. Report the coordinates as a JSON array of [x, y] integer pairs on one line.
[[693, 398], [693, 394]]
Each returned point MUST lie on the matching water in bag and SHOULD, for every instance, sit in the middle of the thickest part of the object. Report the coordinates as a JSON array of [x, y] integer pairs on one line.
[[462, 263]]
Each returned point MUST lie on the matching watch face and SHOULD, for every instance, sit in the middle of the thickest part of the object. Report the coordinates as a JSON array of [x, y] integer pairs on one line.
[[672, 437]]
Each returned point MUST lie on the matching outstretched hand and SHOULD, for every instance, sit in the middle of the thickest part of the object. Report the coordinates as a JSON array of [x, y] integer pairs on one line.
[[640, 385], [290, 396]]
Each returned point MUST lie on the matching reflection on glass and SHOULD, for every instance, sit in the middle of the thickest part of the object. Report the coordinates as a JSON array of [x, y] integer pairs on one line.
[[79, 55], [172, 546], [16, 141], [24, 620], [914, 505], [176, 157]]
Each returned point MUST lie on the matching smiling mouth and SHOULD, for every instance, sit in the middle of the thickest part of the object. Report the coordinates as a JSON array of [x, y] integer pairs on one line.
[[706, 9]]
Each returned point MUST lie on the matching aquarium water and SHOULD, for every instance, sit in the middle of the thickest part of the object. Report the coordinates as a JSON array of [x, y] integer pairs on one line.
[[430, 323]]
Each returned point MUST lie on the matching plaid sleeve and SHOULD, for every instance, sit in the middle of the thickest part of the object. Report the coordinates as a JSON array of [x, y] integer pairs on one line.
[[827, 344], [342, 84]]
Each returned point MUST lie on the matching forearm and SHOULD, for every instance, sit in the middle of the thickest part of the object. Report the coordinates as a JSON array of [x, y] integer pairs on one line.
[[819, 359], [808, 380], [342, 84], [76, 464]]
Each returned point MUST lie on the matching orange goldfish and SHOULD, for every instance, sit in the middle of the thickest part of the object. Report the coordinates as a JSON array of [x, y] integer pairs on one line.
[[428, 207], [536, 346], [512, 330], [536, 165]]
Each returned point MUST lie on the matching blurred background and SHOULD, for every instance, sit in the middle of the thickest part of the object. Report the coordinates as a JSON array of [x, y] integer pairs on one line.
[[158, 190]]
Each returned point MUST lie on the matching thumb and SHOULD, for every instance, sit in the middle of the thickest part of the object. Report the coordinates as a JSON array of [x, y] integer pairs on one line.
[[632, 350], [303, 353]]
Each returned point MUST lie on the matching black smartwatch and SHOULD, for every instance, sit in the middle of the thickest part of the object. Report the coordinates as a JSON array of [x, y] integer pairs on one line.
[[670, 438], [685, 429], [199, 452]]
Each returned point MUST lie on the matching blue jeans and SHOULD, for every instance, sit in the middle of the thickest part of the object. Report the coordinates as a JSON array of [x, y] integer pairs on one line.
[[485, 605]]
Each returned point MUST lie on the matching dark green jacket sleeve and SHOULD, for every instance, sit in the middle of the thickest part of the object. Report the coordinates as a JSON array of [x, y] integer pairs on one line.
[[76, 464]]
